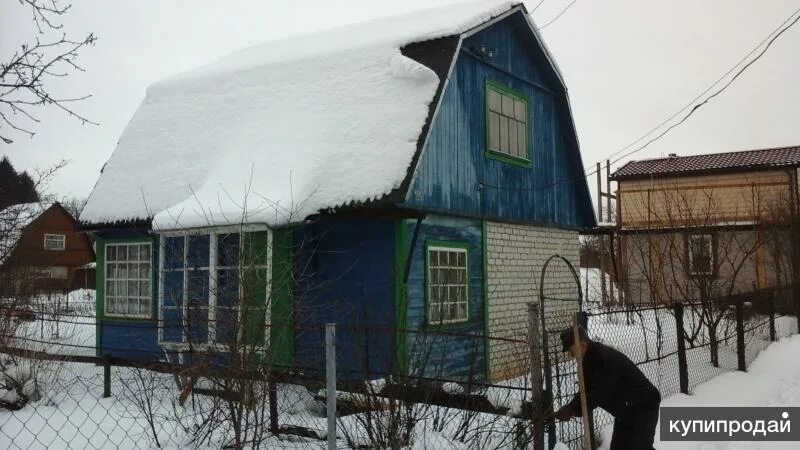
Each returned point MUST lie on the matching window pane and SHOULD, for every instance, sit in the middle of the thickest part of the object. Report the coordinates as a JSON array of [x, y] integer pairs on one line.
[[494, 131], [512, 138], [173, 328], [133, 306], [173, 289], [522, 139], [133, 288], [111, 253], [144, 289], [226, 325], [504, 135], [173, 252], [111, 305], [133, 253], [144, 307], [434, 258], [110, 288], [197, 287], [462, 311], [122, 253], [198, 251], [519, 110], [508, 106], [144, 252], [227, 287], [494, 100], [198, 326], [122, 271], [462, 259], [144, 271], [228, 250], [122, 289]]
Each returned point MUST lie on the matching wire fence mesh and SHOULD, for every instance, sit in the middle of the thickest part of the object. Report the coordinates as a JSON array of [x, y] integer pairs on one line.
[[59, 390]]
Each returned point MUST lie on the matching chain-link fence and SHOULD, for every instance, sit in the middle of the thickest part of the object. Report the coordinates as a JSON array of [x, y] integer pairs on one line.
[[676, 346]]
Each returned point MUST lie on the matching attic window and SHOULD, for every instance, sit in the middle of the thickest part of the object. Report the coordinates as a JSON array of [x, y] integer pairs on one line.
[[507, 124], [54, 242]]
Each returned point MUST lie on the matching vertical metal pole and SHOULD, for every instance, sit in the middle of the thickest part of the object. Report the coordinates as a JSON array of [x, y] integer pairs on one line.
[[740, 349], [683, 368], [536, 376], [586, 421], [608, 191], [771, 304], [330, 376], [107, 377]]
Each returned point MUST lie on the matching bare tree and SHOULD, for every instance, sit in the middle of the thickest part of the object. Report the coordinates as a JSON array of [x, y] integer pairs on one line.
[[25, 75]]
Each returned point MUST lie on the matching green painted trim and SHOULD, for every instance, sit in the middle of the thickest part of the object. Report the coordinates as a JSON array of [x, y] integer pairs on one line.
[[500, 156], [446, 244], [400, 297], [100, 280], [282, 334], [486, 326]]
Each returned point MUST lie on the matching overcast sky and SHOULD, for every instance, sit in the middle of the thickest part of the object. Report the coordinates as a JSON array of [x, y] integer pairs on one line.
[[629, 64]]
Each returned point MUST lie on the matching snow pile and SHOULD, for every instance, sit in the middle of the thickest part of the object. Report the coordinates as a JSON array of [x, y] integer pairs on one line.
[[279, 131]]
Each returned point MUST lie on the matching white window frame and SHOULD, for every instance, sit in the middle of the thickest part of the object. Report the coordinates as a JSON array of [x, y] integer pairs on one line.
[[429, 284], [58, 237], [709, 238], [106, 280], [213, 234]]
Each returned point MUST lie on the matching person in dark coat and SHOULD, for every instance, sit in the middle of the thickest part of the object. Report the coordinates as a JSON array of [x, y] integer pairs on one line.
[[614, 383]]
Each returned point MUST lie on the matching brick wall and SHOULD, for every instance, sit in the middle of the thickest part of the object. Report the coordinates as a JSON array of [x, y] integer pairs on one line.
[[515, 257]]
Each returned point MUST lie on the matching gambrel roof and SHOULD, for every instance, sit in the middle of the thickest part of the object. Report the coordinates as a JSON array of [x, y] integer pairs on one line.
[[277, 132]]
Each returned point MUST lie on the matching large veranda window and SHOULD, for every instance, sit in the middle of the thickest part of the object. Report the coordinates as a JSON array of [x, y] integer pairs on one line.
[[215, 287], [447, 283]]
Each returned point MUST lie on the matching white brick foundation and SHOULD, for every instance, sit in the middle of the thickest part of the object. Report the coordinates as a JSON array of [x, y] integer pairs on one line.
[[515, 256]]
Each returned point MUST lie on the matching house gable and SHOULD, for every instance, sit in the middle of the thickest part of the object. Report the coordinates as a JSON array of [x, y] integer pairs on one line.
[[456, 174]]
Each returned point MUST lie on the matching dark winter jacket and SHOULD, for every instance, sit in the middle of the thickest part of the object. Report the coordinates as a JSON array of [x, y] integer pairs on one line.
[[614, 383]]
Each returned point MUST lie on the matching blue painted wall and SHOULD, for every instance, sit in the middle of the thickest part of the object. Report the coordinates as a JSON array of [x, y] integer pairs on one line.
[[454, 351], [135, 339], [344, 273], [454, 174]]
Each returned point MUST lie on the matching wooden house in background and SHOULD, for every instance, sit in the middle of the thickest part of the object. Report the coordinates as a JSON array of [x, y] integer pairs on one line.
[[706, 225], [42, 248], [455, 173]]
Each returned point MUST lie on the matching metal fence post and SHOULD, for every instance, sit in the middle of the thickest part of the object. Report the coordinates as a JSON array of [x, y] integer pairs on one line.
[[107, 376], [330, 376], [683, 368], [536, 376], [740, 349], [771, 306]]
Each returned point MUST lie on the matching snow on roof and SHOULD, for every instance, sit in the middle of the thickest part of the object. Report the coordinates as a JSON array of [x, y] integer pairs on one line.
[[13, 221], [276, 132]]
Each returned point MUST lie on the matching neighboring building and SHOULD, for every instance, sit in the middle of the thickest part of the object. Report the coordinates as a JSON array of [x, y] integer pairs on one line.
[[411, 173], [706, 225], [40, 248]]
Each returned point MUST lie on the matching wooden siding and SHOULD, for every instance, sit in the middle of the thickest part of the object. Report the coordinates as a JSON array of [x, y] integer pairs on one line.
[[454, 350], [455, 175], [127, 338], [344, 274], [30, 252], [703, 200]]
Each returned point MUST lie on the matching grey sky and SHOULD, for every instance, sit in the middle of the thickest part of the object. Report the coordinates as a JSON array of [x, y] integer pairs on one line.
[[629, 64]]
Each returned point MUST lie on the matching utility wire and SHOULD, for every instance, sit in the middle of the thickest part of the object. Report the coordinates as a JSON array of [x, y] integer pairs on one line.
[[557, 16], [715, 83]]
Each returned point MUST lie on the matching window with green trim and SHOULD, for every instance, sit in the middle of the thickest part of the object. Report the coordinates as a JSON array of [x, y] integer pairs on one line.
[[214, 287], [448, 280], [507, 127], [128, 289]]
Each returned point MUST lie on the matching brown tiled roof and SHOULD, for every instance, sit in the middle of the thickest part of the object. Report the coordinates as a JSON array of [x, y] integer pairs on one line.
[[717, 162]]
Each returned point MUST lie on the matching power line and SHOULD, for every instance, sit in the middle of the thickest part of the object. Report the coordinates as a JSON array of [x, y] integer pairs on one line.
[[716, 82], [536, 7], [716, 93], [557, 16]]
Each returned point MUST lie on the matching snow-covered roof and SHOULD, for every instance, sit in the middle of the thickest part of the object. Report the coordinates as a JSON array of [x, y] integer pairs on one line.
[[277, 132], [13, 221]]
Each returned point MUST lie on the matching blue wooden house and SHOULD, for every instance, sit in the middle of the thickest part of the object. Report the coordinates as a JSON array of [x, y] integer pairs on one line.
[[404, 179]]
